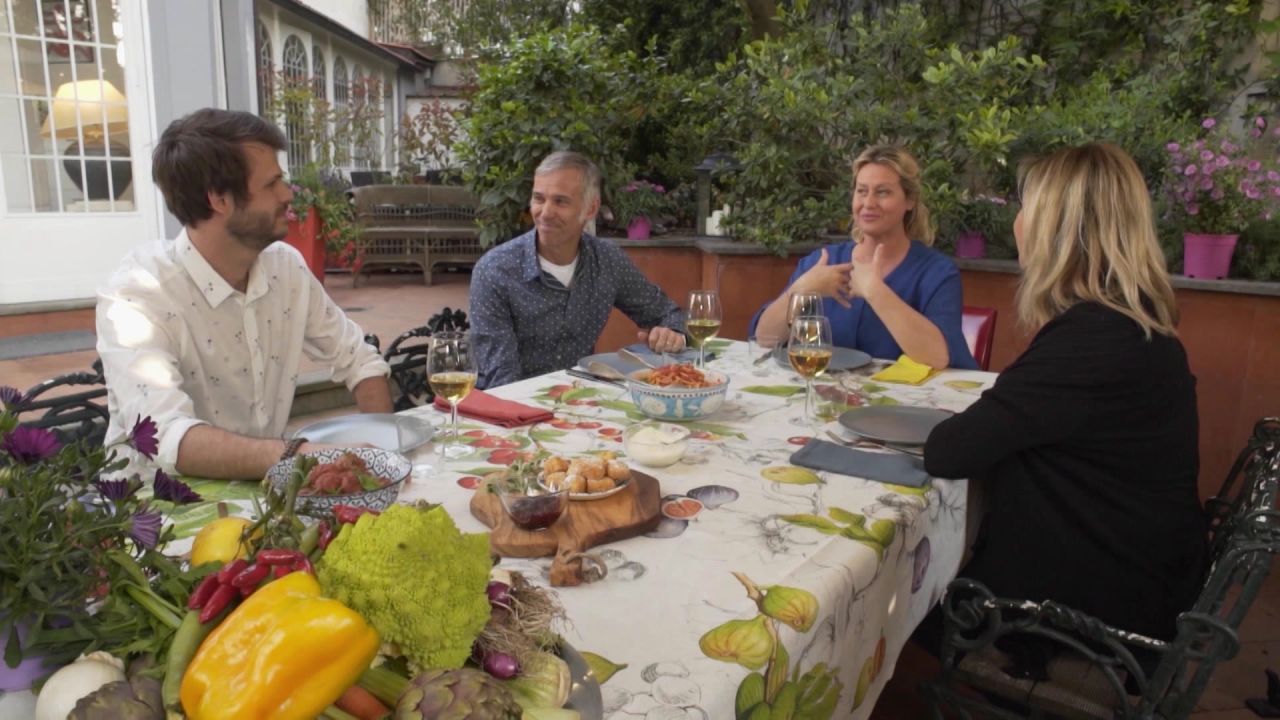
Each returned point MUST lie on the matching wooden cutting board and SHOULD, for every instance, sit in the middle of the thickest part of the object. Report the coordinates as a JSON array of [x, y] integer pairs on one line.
[[585, 524]]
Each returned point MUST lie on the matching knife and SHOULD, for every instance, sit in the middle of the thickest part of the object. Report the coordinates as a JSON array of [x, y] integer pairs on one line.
[[594, 378]]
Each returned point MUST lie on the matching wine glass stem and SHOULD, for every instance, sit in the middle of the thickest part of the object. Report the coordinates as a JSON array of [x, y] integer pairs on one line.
[[702, 355], [453, 411], [808, 398]]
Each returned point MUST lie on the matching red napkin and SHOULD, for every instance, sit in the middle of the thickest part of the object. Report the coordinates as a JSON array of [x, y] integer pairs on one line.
[[480, 405]]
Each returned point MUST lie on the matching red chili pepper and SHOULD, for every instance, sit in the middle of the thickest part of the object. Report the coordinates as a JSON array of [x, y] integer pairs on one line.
[[231, 570], [247, 590], [326, 535], [251, 576], [203, 591], [278, 556], [279, 571], [217, 603], [304, 565], [347, 514]]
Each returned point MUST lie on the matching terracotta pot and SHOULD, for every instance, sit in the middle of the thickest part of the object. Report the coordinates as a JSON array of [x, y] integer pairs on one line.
[[305, 236], [1207, 256]]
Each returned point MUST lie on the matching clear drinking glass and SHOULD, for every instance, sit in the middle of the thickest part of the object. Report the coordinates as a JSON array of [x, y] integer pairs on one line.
[[809, 351], [451, 372], [704, 320], [804, 305], [760, 348]]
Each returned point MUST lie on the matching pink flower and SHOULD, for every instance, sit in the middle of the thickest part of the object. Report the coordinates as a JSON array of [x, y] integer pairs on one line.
[[1260, 122], [1223, 161], [1217, 194], [1206, 155], [1206, 184], [1193, 209], [1273, 176], [1276, 191], [1254, 166], [1191, 170], [1208, 123], [1173, 147], [1229, 147], [1255, 133]]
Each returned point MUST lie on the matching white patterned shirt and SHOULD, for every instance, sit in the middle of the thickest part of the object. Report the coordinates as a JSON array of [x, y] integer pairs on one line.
[[181, 345]]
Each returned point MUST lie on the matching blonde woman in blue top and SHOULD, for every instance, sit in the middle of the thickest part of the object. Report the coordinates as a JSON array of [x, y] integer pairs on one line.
[[886, 291]]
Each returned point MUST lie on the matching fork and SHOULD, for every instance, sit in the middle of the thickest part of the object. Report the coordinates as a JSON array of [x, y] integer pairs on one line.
[[861, 441]]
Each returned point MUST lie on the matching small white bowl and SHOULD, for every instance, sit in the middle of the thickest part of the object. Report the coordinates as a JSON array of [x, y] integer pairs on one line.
[[665, 446]]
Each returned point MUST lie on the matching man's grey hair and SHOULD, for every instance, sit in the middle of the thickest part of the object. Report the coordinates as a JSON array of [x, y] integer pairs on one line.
[[562, 159]]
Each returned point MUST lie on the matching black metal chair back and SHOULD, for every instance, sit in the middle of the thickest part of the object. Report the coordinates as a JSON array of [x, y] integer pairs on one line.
[[1244, 538], [72, 416], [407, 356]]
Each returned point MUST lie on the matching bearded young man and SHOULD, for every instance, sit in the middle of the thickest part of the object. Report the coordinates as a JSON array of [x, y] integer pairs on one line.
[[204, 333], [540, 301]]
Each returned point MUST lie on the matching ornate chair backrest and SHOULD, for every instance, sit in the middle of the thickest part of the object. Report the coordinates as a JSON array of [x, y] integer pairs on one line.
[[72, 416], [408, 359]]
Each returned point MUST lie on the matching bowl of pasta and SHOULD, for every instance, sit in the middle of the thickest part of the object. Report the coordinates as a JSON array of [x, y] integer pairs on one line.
[[677, 392]]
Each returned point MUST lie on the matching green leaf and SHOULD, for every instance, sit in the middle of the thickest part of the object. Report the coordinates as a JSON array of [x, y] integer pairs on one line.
[[482, 471], [841, 515], [546, 435], [774, 390], [883, 400], [790, 475], [813, 522], [581, 393]]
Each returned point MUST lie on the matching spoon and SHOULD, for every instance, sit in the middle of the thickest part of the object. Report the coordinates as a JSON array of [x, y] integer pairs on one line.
[[875, 443], [628, 355], [595, 367]]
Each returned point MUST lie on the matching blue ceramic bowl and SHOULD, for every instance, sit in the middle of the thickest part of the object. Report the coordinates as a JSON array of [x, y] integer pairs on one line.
[[391, 466], [678, 403]]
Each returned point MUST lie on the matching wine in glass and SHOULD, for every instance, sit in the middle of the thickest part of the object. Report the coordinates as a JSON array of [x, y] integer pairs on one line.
[[452, 374], [804, 305], [704, 320], [809, 351]]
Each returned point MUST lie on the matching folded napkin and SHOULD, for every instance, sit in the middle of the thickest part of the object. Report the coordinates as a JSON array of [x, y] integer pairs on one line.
[[905, 371], [480, 405], [892, 468]]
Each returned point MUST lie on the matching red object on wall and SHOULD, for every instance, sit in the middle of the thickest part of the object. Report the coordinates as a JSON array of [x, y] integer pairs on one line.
[[305, 236]]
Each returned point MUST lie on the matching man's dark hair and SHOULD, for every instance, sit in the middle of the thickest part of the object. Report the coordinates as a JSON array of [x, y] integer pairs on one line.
[[204, 152]]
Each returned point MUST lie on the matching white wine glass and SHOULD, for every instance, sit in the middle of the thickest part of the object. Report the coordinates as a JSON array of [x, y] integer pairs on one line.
[[804, 305], [704, 320], [809, 351], [451, 372]]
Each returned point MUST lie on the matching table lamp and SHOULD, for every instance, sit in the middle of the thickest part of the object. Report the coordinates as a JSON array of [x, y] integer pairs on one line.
[[91, 98]]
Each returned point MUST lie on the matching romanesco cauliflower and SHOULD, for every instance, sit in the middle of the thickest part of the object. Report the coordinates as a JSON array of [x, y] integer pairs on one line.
[[416, 578]]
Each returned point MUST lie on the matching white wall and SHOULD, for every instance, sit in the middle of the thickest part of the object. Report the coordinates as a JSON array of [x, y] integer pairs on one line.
[[354, 14]]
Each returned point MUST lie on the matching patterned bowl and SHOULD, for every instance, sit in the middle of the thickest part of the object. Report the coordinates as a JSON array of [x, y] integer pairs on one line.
[[678, 403], [385, 464]]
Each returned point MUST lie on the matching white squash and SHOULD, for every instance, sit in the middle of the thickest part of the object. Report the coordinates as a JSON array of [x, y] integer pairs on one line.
[[65, 687]]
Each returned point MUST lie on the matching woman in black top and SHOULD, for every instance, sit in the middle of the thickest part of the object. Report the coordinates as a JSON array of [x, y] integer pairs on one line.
[[1086, 445]]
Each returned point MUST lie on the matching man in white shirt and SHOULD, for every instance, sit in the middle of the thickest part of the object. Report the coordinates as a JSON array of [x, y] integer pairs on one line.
[[204, 333]]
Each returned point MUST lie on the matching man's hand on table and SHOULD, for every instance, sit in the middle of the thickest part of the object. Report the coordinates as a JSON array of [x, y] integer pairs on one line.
[[661, 339]]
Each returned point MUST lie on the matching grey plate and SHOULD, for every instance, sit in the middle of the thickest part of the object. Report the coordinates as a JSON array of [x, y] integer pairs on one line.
[[841, 358], [624, 366], [584, 694], [895, 424], [398, 433]]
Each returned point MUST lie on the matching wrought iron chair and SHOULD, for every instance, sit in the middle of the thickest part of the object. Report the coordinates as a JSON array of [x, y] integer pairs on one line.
[[408, 359], [71, 416], [1096, 674]]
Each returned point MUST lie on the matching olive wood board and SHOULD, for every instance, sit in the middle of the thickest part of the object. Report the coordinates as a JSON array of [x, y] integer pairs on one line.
[[585, 524]]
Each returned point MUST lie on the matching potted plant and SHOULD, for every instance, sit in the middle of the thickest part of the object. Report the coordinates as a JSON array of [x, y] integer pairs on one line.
[[636, 205], [1217, 186], [975, 216], [73, 538]]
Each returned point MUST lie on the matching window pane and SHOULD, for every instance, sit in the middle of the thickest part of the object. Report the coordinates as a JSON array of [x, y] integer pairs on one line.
[[8, 71], [44, 180], [26, 21], [109, 26], [39, 133], [16, 189], [11, 120], [31, 68], [4, 16]]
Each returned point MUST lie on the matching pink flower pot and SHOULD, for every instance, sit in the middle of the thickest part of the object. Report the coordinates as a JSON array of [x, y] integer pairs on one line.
[[1207, 256], [971, 244], [639, 228]]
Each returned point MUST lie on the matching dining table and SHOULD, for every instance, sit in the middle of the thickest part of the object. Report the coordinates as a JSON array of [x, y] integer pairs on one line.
[[786, 586]]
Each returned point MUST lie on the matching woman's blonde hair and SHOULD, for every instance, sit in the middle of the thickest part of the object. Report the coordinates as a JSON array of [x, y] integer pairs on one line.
[[1089, 236], [901, 161]]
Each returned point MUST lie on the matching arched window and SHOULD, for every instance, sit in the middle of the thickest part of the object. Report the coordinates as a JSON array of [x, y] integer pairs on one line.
[[319, 84], [341, 92], [266, 71], [296, 108]]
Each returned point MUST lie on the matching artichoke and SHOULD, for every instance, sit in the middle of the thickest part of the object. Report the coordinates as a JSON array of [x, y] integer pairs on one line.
[[463, 694], [136, 699]]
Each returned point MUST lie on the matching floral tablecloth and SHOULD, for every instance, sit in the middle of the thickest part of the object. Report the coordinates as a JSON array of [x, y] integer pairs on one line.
[[788, 587]]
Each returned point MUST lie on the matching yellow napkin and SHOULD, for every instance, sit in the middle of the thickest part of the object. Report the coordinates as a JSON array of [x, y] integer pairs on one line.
[[905, 371]]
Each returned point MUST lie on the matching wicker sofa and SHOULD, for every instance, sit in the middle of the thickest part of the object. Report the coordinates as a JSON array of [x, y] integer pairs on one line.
[[422, 225]]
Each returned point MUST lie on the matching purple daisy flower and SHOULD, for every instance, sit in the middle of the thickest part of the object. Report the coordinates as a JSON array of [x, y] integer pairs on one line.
[[28, 445], [1208, 123], [115, 489], [145, 528], [143, 437], [12, 398], [175, 491]]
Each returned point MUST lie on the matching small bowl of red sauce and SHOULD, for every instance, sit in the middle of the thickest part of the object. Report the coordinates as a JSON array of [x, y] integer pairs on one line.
[[530, 504]]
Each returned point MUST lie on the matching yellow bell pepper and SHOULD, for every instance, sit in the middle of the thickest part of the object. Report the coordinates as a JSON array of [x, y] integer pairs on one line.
[[285, 653]]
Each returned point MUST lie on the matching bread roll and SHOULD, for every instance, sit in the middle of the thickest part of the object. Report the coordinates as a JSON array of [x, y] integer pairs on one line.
[[618, 470], [555, 464], [595, 485], [577, 483]]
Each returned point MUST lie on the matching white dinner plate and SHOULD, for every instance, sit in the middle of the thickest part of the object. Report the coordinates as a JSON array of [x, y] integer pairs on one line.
[[398, 433], [842, 358]]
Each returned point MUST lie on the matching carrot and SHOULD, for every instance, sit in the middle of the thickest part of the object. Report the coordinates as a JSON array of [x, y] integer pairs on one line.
[[361, 703]]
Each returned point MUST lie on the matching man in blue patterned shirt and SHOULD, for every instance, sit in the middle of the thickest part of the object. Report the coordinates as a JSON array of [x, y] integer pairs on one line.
[[540, 301]]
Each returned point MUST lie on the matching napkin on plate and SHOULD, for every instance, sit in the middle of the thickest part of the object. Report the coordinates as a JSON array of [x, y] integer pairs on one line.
[[480, 405], [892, 468], [905, 371]]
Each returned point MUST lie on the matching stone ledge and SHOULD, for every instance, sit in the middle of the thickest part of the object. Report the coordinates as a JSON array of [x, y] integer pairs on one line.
[[1181, 282]]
